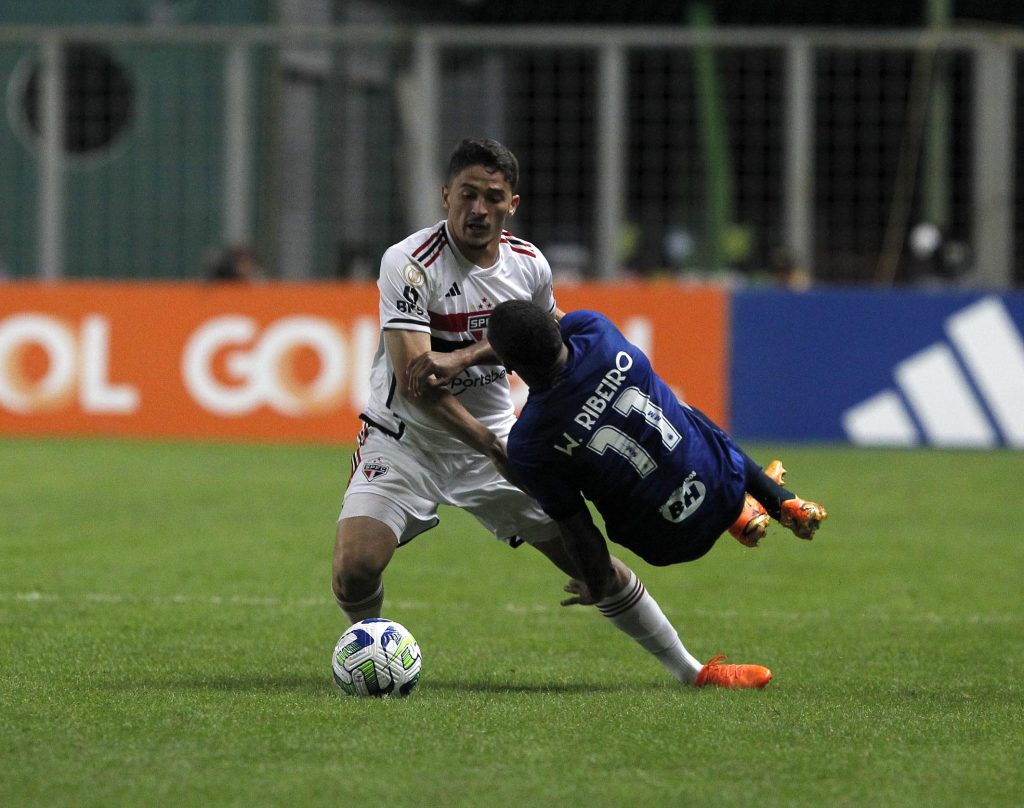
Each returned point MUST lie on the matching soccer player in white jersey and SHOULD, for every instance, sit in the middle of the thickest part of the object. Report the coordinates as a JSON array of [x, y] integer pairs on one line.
[[440, 410]]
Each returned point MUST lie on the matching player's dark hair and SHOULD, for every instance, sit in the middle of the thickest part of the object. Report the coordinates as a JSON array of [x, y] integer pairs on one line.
[[487, 153], [525, 336]]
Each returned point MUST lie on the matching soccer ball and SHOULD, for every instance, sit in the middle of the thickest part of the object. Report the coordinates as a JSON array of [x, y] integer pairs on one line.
[[376, 657]]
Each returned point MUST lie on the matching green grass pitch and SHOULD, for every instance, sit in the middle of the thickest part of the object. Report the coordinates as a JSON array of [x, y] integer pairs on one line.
[[166, 625]]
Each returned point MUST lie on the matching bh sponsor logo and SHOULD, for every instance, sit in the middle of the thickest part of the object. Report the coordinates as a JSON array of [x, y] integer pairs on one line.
[[685, 500]]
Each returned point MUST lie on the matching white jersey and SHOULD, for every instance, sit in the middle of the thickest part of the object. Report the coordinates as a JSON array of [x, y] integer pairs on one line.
[[427, 285]]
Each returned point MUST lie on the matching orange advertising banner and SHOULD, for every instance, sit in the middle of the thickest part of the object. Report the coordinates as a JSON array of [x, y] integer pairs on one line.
[[684, 330], [273, 362]]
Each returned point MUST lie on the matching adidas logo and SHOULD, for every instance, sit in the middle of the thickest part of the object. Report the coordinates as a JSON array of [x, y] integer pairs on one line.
[[965, 391], [454, 291]]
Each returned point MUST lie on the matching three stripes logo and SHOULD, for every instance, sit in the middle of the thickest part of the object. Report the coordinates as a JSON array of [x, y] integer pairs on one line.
[[454, 291], [966, 390]]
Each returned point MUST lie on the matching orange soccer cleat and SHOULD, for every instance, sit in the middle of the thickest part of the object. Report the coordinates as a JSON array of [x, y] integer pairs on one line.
[[737, 677], [752, 524], [800, 516], [776, 472]]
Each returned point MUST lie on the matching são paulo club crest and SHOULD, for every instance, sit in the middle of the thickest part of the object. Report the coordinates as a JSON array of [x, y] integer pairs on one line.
[[372, 469]]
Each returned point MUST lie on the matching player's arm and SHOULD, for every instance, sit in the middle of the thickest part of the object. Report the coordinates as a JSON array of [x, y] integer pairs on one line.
[[404, 347], [436, 369], [588, 550]]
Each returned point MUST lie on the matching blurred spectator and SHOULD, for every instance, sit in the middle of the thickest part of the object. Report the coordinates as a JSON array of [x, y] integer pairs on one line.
[[935, 258], [234, 264], [787, 272]]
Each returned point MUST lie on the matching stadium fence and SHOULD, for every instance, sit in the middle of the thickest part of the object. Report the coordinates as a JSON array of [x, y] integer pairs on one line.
[[883, 157]]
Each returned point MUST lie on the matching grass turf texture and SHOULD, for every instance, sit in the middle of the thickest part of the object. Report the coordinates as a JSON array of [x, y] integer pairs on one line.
[[166, 625]]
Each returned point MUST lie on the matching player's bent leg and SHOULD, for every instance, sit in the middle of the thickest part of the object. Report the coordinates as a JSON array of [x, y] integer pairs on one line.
[[378, 513], [635, 612], [555, 552], [363, 547], [767, 487]]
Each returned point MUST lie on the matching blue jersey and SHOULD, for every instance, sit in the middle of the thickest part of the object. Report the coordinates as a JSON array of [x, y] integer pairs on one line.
[[666, 481]]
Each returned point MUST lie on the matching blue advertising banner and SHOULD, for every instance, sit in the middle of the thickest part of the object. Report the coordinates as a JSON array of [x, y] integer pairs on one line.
[[875, 368]]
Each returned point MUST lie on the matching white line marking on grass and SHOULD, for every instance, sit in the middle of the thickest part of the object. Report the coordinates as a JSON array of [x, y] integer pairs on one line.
[[880, 617], [183, 600], [515, 608], [30, 597]]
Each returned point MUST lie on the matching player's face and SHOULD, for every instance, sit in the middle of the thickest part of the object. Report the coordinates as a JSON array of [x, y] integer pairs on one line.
[[478, 203]]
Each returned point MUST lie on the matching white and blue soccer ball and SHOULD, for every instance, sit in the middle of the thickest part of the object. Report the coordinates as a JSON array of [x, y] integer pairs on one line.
[[376, 657]]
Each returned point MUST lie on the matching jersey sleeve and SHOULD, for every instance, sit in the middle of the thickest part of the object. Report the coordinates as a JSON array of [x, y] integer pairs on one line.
[[404, 292], [583, 321], [543, 287]]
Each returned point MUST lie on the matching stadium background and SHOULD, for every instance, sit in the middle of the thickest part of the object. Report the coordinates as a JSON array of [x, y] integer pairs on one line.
[[841, 183]]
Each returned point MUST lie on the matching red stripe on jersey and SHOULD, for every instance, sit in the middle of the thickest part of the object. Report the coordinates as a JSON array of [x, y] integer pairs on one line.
[[517, 244], [436, 234], [457, 322], [430, 250]]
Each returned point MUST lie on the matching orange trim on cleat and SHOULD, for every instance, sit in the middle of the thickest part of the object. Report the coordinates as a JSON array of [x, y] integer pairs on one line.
[[802, 517], [776, 472], [752, 524], [718, 674]]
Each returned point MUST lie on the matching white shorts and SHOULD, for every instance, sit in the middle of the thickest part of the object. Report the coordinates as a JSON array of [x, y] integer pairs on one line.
[[402, 487]]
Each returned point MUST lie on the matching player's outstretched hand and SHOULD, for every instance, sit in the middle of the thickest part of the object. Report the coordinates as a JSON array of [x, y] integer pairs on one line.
[[580, 594], [432, 369]]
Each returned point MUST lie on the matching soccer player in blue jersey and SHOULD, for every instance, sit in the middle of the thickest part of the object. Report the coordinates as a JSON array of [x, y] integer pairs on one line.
[[601, 425]]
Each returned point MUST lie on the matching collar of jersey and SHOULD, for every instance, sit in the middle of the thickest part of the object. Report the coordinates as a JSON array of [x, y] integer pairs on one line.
[[464, 263]]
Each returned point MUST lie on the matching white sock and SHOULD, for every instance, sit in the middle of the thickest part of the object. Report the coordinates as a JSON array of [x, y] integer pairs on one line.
[[365, 608], [638, 614]]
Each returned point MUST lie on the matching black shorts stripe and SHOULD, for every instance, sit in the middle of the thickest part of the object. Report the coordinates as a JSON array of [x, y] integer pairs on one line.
[[389, 432]]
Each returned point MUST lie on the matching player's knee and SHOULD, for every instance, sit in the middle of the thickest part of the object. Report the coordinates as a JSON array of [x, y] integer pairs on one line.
[[361, 553], [353, 570]]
